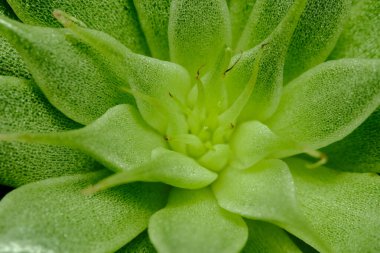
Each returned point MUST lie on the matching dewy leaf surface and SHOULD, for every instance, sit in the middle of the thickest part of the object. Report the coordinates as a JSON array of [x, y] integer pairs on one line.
[[23, 108], [343, 208], [267, 238], [154, 20], [119, 139], [11, 63], [74, 78], [141, 244], [54, 216], [193, 222], [359, 151], [315, 36], [328, 102], [118, 18], [360, 36], [198, 31]]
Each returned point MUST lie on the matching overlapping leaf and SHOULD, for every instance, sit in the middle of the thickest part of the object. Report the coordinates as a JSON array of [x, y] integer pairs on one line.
[[54, 216], [193, 222], [24, 109]]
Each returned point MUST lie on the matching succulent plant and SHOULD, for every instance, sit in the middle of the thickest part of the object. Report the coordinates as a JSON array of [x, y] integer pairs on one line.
[[190, 126]]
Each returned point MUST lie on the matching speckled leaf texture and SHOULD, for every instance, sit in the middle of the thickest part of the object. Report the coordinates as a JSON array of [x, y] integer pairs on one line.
[[182, 126]]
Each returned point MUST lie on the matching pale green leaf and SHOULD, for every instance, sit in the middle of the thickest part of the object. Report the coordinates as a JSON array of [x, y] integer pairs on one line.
[[198, 31], [359, 151], [154, 20], [115, 17], [193, 222], [74, 78], [315, 36], [270, 56], [264, 18], [54, 216], [267, 238], [360, 36], [265, 192], [343, 208], [24, 109], [240, 10], [166, 166], [328, 102], [120, 139]]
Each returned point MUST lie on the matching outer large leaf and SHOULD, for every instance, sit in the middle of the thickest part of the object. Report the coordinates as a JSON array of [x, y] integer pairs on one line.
[[118, 18], [141, 244], [343, 208], [359, 151], [119, 139], [265, 192], [193, 222], [360, 37], [75, 79], [154, 19], [23, 108], [10, 62], [267, 238], [54, 216], [328, 102], [271, 57], [240, 11], [315, 36], [198, 31]]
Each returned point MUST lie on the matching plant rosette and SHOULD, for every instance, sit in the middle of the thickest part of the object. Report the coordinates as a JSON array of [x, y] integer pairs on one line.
[[190, 126]]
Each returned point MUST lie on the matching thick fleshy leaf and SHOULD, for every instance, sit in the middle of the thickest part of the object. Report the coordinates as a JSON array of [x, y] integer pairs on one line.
[[10, 62], [264, 18], [74, 78], [240, 10], [154, 19], [315, 36], [24, 109], [166, 166], [328, 102], [193, 222], [118, 18], [141, 244], [360, 36], [54, 216], [267, 238], [120, 139], [359, 151], [264, 192], [343, 208], [270, 56], [198, 31]]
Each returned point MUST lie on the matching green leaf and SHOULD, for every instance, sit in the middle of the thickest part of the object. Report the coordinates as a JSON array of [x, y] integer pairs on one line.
[[74, 78], [315, 36], [117, 18], [154, 19], [240, 11], [141, 244], [54, 216], [265, 192], [193, 222], [120, 139], [264, 18], [267, 238], [268, 85], [198, 31], [342, 207], [328, 102], [359, 151], [166, 166], [360, 36], [23, 108]]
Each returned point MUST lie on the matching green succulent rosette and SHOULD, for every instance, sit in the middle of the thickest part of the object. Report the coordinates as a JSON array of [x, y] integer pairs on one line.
[[190, 126]]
